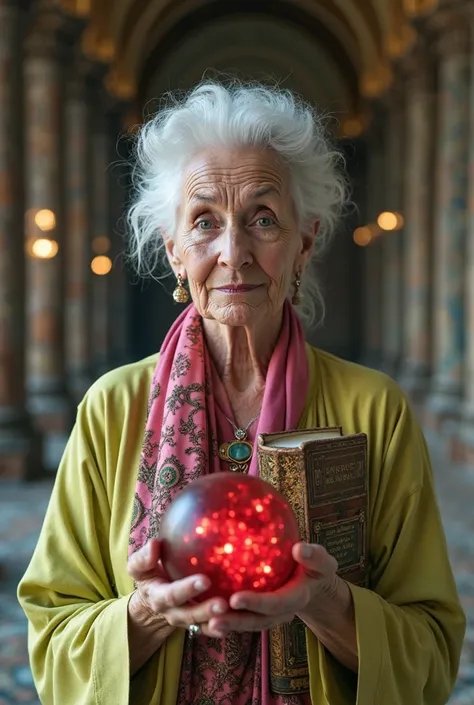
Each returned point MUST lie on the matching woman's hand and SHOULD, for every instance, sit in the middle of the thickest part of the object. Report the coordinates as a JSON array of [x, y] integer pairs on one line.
[[157, 599], [314, 589]]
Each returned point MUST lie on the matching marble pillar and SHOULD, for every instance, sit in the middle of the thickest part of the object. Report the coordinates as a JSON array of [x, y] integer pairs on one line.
[[118, 283], [451, 222], [100, 284], [45, 374], [392, 241], [78, 227], [467, 426], [418, 212], [16, 437], [372, 269]]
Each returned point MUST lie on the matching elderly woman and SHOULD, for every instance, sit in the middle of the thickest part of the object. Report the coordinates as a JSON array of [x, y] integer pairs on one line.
[[239, 188]]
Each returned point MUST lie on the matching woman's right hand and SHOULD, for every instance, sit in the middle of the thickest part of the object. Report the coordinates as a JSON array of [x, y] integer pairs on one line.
[[158, 599]]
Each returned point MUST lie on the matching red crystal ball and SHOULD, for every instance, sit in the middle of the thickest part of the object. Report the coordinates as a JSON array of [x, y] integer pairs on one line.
[[235, 529]]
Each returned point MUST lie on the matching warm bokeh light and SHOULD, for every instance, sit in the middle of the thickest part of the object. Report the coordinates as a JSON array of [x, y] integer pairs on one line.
[[101, 265], [401, 221], [399, 42], [43, 248], [374, 82], [101, 245], [352, 127], [83, 8], [390, 221], [45, 219], [374, 229], [363, 236], [123, 87], [416, 8]]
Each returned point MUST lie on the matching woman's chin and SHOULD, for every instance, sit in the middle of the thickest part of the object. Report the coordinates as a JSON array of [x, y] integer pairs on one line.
[[239, 314]]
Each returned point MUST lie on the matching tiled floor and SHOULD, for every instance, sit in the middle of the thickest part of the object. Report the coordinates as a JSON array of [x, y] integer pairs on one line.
[[21, 513]]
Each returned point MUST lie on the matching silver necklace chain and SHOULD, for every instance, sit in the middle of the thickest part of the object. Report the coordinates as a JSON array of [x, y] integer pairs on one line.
[[241, 433]]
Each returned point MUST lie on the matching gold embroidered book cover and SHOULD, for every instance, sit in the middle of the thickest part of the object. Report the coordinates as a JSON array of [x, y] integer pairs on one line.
[[323, 476]]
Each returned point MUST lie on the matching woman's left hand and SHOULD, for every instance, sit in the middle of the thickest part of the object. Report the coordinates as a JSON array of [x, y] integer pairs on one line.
[[314, 587]]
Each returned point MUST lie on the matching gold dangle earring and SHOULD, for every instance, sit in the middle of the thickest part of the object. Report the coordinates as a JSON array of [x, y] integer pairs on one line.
[[180, 295], [296, 298]]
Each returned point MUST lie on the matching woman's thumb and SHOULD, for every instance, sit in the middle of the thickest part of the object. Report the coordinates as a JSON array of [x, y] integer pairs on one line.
[[145, 560]]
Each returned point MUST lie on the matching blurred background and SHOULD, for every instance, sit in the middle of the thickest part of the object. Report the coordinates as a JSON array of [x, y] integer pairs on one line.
[[78, 77]]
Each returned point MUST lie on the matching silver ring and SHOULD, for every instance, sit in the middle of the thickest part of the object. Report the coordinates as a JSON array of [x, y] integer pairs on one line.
[[194, 630]]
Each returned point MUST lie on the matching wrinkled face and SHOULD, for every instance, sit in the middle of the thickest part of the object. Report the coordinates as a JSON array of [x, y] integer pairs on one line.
[[238, 239]]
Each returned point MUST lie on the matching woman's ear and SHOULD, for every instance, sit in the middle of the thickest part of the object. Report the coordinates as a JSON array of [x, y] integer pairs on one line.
[[172, 254], [308, 241]]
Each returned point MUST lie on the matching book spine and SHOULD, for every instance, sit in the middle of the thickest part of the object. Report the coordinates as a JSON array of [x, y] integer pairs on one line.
[[326, 486], [289, 673]]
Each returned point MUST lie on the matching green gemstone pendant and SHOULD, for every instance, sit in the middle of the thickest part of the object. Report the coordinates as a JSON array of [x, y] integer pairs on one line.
[[237, 454], [240, 451]]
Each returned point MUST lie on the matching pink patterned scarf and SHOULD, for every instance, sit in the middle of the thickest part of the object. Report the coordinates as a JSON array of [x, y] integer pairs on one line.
[[184, 427]]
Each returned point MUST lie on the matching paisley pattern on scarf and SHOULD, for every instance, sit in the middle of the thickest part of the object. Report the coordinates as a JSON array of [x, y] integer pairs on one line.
[[180, 444], [227, 672]]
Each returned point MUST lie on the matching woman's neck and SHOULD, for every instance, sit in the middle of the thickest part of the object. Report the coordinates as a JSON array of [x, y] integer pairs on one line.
[[241, 355]]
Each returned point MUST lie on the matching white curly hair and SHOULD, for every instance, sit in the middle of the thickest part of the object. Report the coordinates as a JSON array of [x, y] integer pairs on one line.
[[234, 115]]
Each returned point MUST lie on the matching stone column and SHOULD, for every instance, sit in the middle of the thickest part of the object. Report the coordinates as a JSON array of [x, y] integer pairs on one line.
[[451, 222], [16, 455], [100, 285], [372, 270], [78, 246], [418, 212], [392, 241], [118, 299], [46, 388], [467, 427]]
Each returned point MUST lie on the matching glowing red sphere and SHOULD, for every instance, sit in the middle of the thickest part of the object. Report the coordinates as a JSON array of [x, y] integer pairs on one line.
[[236, 529]]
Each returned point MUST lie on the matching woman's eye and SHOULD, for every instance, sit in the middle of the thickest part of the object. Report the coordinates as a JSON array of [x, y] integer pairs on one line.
[[265, 221], [204, 225]]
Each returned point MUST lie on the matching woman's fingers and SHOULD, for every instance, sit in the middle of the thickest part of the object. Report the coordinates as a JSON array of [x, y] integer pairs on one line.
[[144, 563], [197, 613], [316, 561], [173, 600], [165, 596]]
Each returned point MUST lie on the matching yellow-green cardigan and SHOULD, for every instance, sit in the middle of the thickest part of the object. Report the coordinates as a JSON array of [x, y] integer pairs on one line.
[[410, 626]]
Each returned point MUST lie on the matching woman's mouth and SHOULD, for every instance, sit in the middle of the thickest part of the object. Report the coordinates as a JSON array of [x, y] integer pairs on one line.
[[237, 289]]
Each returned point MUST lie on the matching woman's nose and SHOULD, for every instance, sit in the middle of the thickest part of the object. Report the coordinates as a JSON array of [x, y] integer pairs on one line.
[[235, 247]]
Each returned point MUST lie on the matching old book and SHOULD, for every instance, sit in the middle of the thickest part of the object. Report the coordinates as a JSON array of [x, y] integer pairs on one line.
[[323, 475]]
